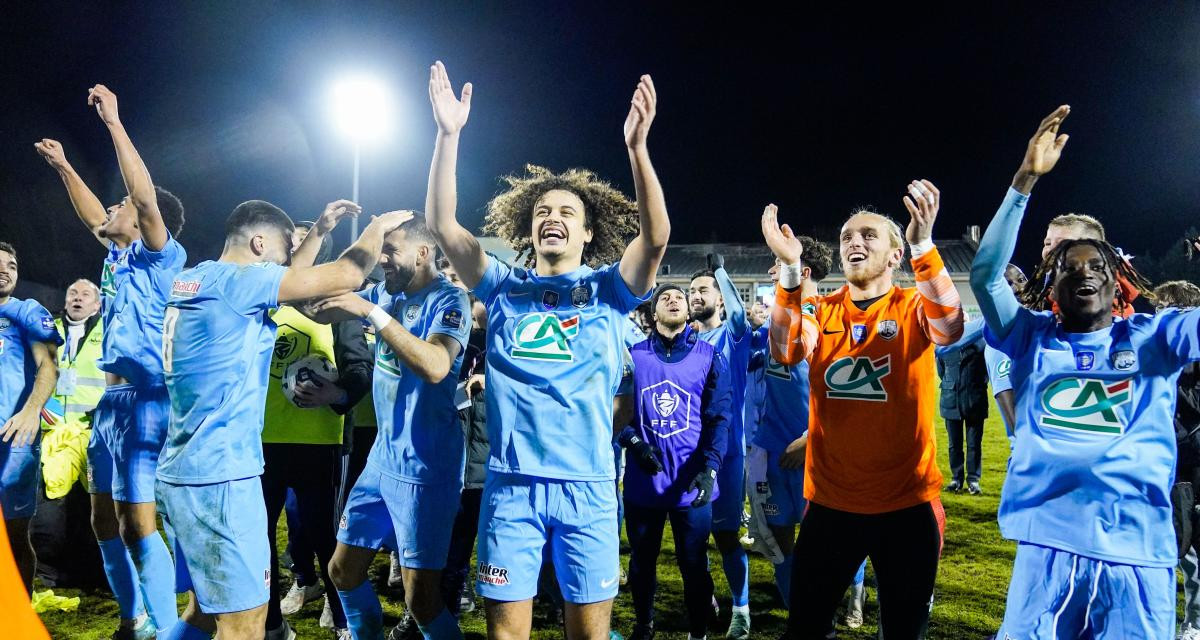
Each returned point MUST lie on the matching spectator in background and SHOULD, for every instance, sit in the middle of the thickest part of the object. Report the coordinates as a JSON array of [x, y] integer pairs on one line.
[[63, 517], [964, 404], [1185, 295]]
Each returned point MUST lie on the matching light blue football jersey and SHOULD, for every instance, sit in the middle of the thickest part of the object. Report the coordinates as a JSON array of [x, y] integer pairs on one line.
[[732, 340], [134, 288], [785, 400], [1094, 453], [420, 438], [554, 361], [217, 342], [22, 322]]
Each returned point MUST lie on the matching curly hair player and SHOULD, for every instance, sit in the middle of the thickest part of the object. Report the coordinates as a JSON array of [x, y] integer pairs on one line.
[[871, 475], [554, 362], [1087, 495]]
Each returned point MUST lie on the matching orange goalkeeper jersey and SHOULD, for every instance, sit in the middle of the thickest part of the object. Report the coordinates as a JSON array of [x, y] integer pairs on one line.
[[871, 445]]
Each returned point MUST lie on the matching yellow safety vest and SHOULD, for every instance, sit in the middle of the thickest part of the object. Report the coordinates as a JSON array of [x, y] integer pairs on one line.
[[363, 413], [298, 336], [80, 381]]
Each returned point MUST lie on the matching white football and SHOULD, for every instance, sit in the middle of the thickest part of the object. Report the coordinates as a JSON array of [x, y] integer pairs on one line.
[[312, 368]]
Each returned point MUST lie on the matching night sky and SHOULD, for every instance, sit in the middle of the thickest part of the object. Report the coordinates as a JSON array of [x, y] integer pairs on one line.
[[818, 112]]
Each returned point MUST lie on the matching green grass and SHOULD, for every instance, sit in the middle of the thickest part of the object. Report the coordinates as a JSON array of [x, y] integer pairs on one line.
[[972, 580]]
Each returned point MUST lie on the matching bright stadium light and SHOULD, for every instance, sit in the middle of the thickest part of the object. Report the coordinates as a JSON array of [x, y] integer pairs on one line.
[[361, 107]]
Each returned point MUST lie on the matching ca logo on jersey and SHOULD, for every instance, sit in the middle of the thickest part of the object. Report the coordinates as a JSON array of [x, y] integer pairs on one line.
[[543, 336], [1085, 404], [385, 359], [858, 378], [776, 370], [1004, 368]]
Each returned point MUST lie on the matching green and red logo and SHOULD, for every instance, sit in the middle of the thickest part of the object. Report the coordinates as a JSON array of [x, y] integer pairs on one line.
[[858, 378], [544, 336], [1086, 404]]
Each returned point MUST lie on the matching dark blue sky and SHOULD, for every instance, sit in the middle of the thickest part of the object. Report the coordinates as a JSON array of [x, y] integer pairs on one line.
[[817, 112]]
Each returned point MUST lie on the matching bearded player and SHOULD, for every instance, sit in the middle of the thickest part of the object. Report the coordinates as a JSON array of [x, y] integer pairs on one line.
[[871, 475], [554, 362]]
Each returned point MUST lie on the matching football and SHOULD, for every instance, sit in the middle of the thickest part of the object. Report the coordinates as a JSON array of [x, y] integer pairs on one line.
[[310, 368]]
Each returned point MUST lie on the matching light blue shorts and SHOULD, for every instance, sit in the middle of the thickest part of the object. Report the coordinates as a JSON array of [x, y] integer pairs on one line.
[[521, 515], [100, 464], [786, 505], [731, 501], [416, 520], [132, 422], [19, 479], [221, 548], [1058, 594]]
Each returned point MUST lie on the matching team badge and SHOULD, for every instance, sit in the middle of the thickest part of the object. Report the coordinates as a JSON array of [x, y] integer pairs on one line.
[[859, 331], [550, 299], [5, 323], [411, 312], [492, 574], [1085, 360], [887, 329], [859, 378], [1124, 360], [543, 336], [1085, 404], [580, 296], [452, 318]]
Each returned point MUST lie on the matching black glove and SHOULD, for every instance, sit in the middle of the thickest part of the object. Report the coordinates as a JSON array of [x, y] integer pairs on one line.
[[645, 455], [716, 261], [704, 484]]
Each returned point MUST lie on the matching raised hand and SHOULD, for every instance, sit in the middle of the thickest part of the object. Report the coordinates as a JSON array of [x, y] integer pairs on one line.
[[334, 213], [449, 112], [641, 114], [780, 239], [52, 152], [922, 202], [105, 102], [1043, 151]]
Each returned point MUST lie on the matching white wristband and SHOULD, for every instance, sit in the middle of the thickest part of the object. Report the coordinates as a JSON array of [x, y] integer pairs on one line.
[[921, 248], [790, 275], [379, 318]]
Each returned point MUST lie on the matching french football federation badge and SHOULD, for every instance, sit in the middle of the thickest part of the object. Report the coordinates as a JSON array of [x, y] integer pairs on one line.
[[550, 299], [887, 329], [1085, 360], [858, 331], [1124, 360], [580, 296]]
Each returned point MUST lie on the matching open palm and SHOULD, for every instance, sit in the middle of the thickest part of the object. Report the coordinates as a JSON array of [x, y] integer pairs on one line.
[[1046, 145], [449, 111], [783, 243]]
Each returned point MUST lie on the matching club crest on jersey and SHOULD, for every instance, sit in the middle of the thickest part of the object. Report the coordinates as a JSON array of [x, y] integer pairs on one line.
[[858, 378], [492, 574], [411, 312], [1085, 404], [580, 296], [672, 408], [1085, 360], [858, 331], [5, 323], [543, 336], [887, 329], [550, 299], [1124, 360]]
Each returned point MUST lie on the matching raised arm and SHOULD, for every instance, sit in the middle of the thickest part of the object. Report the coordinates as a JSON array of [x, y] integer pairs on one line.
[[335, 212], [941, 312], [639, 263], [441, 198], [133, 170], [996, 301], [87, 206], [735, 311], [793, 328], [347, 272], [21, 429]]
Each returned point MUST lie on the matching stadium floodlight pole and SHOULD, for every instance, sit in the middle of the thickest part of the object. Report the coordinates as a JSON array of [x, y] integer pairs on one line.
[[361, 110]]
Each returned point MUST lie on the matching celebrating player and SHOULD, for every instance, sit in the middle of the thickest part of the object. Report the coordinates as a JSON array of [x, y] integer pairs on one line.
[[28, 372], [217, 344], [554, 361], [406, 494], [130, 421], [871, 475], [1087, 491]]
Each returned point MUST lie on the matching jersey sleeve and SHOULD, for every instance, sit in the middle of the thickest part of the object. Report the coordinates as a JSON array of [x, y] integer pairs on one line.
[[494, 274], [735, 311], [39, 324], [996, 301], [794, 328], [255, 287], [939, 311], [615, 292], [625, 387], [452, 315], [372, 294], [1178, 334], [1021, 333], [172, 253], [999, 368]]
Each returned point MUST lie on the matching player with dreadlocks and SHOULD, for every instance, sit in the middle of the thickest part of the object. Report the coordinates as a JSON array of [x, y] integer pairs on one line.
[[1087, 491], [555, 329]]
